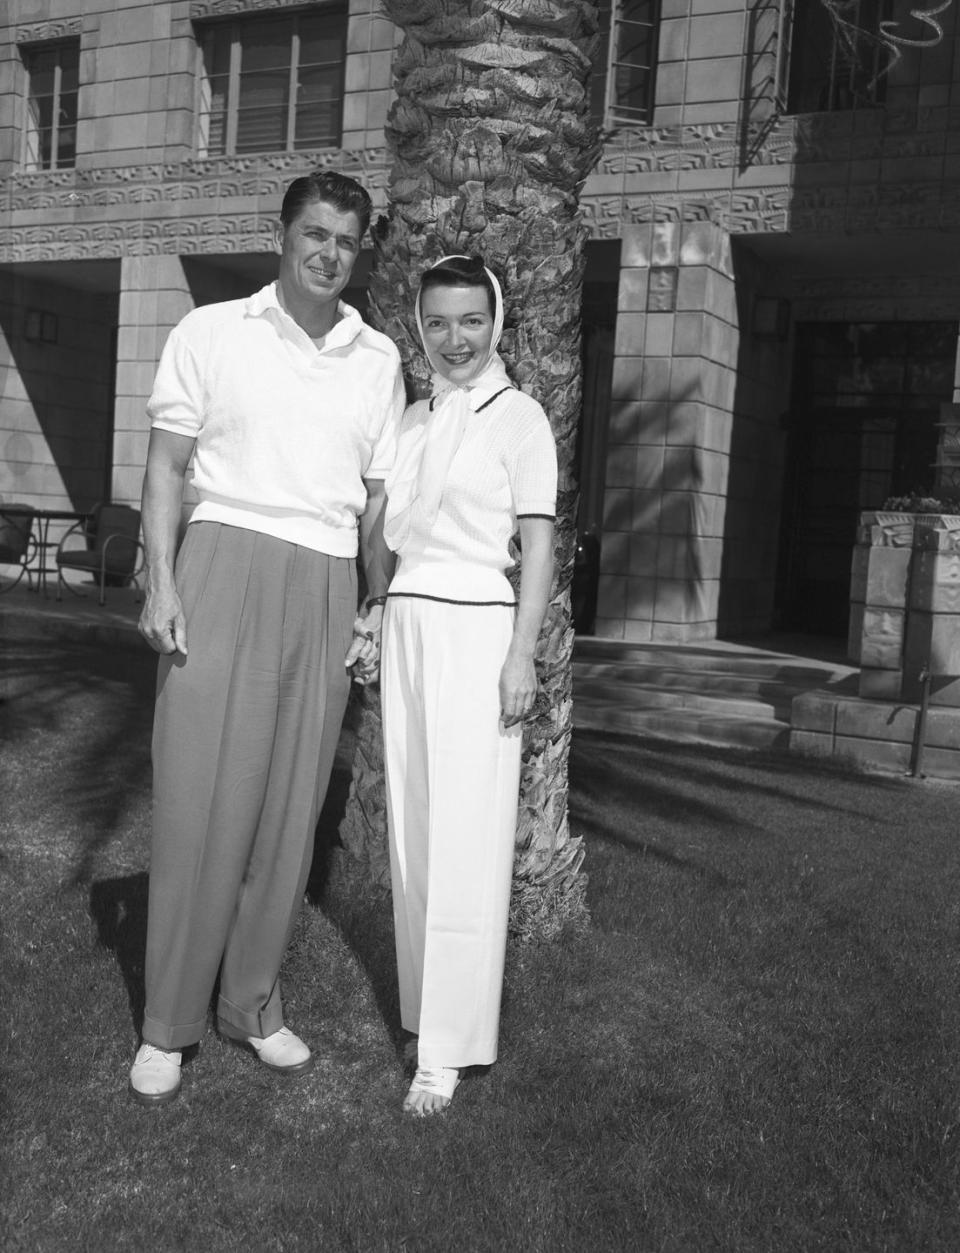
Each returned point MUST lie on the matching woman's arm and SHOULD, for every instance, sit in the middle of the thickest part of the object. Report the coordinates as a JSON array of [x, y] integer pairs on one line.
[[518, 678], [162, 623]]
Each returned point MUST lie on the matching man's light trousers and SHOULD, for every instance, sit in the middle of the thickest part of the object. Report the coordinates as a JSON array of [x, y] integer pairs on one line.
[[245, 734]]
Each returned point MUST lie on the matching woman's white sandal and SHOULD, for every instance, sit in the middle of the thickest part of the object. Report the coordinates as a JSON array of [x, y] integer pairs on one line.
[[439, 1081]]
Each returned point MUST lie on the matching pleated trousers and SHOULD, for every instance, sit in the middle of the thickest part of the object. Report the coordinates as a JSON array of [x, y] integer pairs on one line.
[[245, 732], [453, 778]]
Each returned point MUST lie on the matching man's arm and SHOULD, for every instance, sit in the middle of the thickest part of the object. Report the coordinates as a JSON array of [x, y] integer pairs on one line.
[[378, 560], [378, 566], [162, 623]]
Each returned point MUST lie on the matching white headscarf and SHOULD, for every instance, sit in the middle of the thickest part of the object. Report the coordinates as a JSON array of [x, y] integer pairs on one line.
[[420, 474]]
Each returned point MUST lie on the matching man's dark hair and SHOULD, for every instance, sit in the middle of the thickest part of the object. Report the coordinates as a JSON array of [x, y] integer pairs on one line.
[[459, 272], [344, 193]]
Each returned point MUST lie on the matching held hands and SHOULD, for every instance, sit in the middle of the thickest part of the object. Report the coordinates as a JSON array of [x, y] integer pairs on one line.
[[364, 652], [518, 688]]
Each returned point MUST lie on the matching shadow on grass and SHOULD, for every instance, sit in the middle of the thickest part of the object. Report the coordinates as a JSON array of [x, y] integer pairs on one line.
[[119, 909], [362, 915], [103, 698], [365, 924], [327, 838], [683, 783], [119, 906]]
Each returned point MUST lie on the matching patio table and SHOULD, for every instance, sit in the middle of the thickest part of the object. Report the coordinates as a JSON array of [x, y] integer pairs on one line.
[[42, 565]]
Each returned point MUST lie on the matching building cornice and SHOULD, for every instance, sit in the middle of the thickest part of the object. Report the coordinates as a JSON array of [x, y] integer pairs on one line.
[[200, 9], [53, 28]]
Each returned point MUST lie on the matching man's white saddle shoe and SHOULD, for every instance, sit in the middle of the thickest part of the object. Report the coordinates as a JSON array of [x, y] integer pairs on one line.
[[155, 1075], [282, 1051]]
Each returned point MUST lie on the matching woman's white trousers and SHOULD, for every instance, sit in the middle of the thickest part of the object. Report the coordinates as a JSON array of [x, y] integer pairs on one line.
[[453, 778]]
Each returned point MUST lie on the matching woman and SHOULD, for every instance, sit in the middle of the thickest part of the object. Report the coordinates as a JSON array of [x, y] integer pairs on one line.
[[474, 461]]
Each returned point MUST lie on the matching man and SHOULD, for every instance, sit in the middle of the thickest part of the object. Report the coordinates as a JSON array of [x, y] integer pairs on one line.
[[287, 402]]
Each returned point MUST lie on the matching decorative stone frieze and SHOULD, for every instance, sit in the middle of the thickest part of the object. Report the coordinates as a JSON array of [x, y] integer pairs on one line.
[[219, 179], [632, 155], [652, 150], [53, 28], [214, 234], [200, 9], [762, 209], [809, 138]]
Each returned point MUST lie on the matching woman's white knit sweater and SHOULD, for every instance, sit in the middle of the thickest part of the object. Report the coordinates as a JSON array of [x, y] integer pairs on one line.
[[505, 467]]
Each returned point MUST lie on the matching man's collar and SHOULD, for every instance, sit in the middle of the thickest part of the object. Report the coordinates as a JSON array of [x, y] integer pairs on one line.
[[344, 330], [262, 301]]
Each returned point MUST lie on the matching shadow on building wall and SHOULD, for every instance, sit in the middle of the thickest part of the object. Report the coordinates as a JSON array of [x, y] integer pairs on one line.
[[56, 405], [660, 525], [756, 450]]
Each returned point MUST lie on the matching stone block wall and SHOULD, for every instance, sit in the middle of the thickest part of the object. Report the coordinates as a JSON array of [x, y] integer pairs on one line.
[[699, 66], [877, 735], [138, 84], [154, 295], [368, 85]]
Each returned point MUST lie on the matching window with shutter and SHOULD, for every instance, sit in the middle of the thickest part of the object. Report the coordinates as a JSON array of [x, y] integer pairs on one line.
[[272, 83]]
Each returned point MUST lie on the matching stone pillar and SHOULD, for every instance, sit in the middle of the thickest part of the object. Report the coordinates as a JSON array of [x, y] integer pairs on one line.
[[933, 618], [879, 583], [674, 379], [154, 296], [905, 598]]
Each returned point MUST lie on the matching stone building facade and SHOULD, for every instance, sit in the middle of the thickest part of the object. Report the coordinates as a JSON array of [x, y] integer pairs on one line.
[[772, 298]]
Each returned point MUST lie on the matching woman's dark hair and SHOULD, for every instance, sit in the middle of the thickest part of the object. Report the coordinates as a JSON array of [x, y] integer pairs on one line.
[[344, 193], [459, 272]]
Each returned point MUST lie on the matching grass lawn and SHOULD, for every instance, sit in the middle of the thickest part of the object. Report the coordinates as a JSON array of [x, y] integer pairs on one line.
[[754, 1047]]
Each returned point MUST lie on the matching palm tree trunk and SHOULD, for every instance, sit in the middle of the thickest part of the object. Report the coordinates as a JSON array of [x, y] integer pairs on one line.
[[490, 141]]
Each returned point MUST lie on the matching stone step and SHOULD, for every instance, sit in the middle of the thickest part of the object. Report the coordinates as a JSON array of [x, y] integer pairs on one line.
[[615, 693], [725, 694], [775, 691], [693, 726], [741, 661]]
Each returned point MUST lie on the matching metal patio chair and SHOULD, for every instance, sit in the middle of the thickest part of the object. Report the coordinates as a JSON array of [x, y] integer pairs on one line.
[[111, 552]]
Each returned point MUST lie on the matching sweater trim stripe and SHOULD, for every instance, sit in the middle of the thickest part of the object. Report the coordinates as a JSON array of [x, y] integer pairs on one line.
[[449, 600]]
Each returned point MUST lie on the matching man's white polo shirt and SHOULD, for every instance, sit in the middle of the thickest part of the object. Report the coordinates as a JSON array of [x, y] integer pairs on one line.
[[286, 432]]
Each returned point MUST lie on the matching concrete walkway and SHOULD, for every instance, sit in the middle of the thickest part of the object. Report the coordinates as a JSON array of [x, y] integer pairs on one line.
[[76, 618]]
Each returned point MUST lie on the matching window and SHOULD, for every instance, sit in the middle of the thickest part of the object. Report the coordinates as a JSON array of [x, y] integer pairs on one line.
[[50, 134], [272, 84], [837, 57], [624, 66]]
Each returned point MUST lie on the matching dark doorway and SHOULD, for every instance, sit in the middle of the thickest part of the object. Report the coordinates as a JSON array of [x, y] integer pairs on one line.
[[862, 427]]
